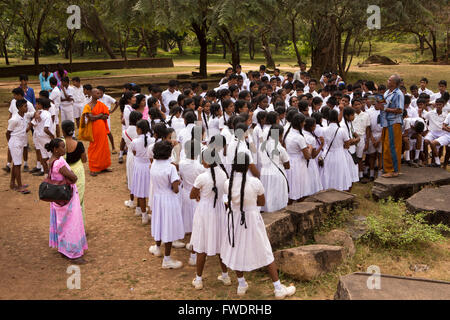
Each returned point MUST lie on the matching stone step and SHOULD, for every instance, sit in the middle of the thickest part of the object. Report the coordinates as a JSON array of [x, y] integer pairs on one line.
[[355, 287], [308, 262], [432, 199], [333, 200], [411, 181]]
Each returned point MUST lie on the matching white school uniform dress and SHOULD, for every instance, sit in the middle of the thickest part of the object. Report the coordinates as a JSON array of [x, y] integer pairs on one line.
[[140, 187], [336, 173], [67, 106], [297, 175], [184, 136], [126, 116], [40, 138], [189, 171], [108, 101], [234, 147], [55, 96], [315, 184], [223, 121], [78, 101], [18, 127], [258, 138], [252, 249], [53, 112], [360, 125], [177, 124], [209, 225], [167, 221], [354, 171], [213, 127], [128, 136], [273, 176]]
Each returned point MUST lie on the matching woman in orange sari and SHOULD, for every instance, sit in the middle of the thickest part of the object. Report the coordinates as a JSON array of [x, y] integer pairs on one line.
[[98, 152]]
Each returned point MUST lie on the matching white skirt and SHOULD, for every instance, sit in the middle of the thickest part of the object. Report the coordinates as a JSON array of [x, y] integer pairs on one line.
[[335, 173], [252, 249], [130, 169], [297, 176], [315, 183], [167, 221], [187, 209], [209, 227], [141, 178], [275, 184], [354, 171]]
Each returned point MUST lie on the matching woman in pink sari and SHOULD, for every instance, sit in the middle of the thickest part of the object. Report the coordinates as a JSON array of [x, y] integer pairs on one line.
[[66, 220]]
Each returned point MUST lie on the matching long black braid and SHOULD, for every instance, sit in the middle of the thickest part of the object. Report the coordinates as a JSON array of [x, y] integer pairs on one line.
[[230, 211]]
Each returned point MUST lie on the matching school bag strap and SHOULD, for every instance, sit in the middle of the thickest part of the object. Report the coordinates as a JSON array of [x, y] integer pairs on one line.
[[279, 169], [331, 144]]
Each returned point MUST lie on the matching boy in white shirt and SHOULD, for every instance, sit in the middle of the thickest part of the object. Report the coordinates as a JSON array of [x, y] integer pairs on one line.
[[171, 94], [55, 98], [444, 138], [66, 100], [18, 94], [435, 120], [42, 123], [109, 102], [423, 87], [78, 99], [361, 125], [16, 135]]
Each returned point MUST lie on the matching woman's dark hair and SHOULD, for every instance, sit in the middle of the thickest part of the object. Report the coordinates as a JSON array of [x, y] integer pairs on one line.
[[124, 100], [52, 145], [197, 101], [223, 93], [145, 128], [290, 113], [318, 117], [241, 163], [60, 70], [180, 99], [187, 102], [173, 112], [260, 116], [214, 109], [239, 104], [139, 99], [333, 117], [162, 150], [326, 111], [151, 102], [309, 124], [46, 72], [190, 117], [159, 130], [226, 104], [192, 149], [317, 100], [154, 114], [297, 122], [44, 93], [230, 122], [135, 116], [348, 111], [243, 94], [276, 128], [68, 128], [271, 117]]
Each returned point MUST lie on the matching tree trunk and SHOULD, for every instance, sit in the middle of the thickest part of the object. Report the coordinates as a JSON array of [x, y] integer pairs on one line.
[[200, 32], [251, 47], [421, 44], [139, 50], [434, 47], [214, 46], [270, 63], [180, 46], [323, 37], [91, 21], [82, 49], [5, 53], [235, 56], [448, 45], [224, 48], [294, 40]]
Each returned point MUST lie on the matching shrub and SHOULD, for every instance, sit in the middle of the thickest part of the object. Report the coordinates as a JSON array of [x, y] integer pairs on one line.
[[394, 227]]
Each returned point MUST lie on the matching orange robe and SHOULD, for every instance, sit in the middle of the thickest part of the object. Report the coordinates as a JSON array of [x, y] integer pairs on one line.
[[98, 152]]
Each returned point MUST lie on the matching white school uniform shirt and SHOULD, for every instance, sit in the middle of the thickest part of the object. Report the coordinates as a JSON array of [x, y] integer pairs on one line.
[[129, 135], [78, 95], [18, 127], [295, 143], [349, 129], [280, 76], [223, 120], [412, 112], [253, 188], [126, 115], [408, 123], [255, 113], [279, 159], [213, 127], [375, 127], [435, 121], [361, 122], [138, 145], [231, 150], [427, 91], [244, 76], [168, 96], [108, 100], [184, 136], [189, 171], [177, 124], [69, 93], [222, 86], [246, 84], [55, 96], [30, 109], [45, 122]]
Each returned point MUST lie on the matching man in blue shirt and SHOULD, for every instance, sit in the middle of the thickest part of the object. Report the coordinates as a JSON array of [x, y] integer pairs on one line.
[[29, 92], [391, 119]]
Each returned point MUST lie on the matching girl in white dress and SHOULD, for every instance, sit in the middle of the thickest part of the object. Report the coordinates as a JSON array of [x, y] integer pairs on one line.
[[190, 168], [317, 144], [208, 232], [228, 111], [212, 126], [347, 124], [129, 135], [176, 121], [290, 113], [258, 136], [275, 161], [299, 153], [247, 246], [141, 172], [167, 221], [336, 174]]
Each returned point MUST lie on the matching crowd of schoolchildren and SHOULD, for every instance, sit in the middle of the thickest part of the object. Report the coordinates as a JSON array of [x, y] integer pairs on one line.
[[202, 164]]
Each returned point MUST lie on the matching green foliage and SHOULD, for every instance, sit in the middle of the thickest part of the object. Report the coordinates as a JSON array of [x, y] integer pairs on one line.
[[303, 48], [394, 227], [336, 219]]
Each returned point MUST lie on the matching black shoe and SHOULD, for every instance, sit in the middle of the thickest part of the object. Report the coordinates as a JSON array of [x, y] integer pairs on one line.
[[26, 168], [434, 165], [38, 174], [412, 164], [7, 169], [364, 180], [120, 160], [35, 169], [372, 179]]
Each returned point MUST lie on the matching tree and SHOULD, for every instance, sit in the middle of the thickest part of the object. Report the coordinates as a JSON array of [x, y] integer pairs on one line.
[[8, 19], [33, 19]]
